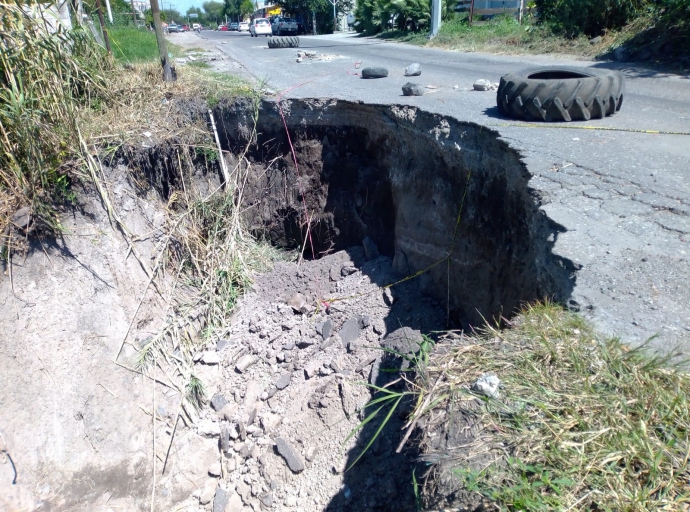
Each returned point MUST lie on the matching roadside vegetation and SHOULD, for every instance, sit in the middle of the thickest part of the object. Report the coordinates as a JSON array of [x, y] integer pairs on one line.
[[582, 422], [652, 30]]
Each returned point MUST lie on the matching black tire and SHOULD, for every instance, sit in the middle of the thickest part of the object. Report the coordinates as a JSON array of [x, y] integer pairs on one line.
[[374, 73], [560, 94]]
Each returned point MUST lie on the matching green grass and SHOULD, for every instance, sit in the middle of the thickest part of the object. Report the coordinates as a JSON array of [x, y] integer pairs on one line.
[[130, 44], [583, 422], [199, 64]]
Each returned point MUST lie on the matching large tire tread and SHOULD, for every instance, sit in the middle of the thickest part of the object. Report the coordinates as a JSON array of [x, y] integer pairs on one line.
[[586, 93]]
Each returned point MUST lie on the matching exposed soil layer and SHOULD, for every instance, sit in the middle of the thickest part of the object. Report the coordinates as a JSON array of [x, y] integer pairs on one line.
[[422, 186]]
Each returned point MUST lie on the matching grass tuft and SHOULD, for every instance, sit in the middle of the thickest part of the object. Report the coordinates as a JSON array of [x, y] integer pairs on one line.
[[583, 422]]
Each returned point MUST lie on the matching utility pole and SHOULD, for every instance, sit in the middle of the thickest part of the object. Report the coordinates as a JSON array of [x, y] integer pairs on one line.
[[435, 17], [162, 45], [471, 12], [134, 13], [335, 19], [103, 29], [110, 13], [522, 9]]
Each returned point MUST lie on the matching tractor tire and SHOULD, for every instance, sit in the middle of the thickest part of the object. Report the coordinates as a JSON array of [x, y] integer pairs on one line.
[[374, 73], [560, 94], [283, 42]]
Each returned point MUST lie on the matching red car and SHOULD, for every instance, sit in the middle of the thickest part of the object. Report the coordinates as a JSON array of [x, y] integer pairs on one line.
[[223, 28], [185, 28]]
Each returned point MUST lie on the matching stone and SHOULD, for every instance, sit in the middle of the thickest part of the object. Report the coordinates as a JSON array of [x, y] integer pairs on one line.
[[595, 40], [330, 341], [218, 401], [487, 385], [334, 273], [22, 217], [214, 469], [243, 490], [283, 381], [364, 321], [326, 329], [234, 503], [210, 357], [306, 343], [298, 303], [244, 362], [311, 453], [410, 89], [347, 270], [291, 456], [289, 346], [231, 465], [349, 331], [404, 340], [266, 499], [208, 428], [482, 85], [414, 69], [312, 369], [251, 393], [270, 421], [209, 491], [290, 501], [228, 411], [225, 438], [371, 250]]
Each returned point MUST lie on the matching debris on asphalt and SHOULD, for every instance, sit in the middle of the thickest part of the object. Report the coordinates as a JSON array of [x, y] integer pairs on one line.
[[414, 69], [374, 73], [484, 85], [410, 89]]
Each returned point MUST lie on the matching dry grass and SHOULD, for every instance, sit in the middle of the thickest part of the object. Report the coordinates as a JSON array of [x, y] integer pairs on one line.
[[582, 423]]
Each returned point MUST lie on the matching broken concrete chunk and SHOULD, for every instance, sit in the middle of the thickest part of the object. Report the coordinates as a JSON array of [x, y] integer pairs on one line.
[[348, 269], [210, 357], [209, 491], [228, 412], [245, 362], [223, 344], [218, 401], [291, 456], [482, 85], [371, 250], [349, 331], [414, 69], [283, 381], [298, 303], [214, 469], [410, 89], [487, 385]]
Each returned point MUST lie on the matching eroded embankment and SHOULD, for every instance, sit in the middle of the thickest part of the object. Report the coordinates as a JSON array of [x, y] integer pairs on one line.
[[402, 177]]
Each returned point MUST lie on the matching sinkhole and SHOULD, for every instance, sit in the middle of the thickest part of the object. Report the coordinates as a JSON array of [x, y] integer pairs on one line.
[[437, 195]]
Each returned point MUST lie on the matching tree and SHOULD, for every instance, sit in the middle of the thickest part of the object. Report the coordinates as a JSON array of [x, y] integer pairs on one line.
[[214, 10], [321, 8], [200, 15], [246, 8]]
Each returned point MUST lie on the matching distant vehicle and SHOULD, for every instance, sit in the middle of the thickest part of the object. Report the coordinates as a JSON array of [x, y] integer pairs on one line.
[[234, 26], [260, 27], [185, 28], [244, 27], [223, 28], [196, 26], [281, 25], [173, 28]]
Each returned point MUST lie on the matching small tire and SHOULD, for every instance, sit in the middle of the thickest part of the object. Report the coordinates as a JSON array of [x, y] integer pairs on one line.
[[374, 73], [560, 94]]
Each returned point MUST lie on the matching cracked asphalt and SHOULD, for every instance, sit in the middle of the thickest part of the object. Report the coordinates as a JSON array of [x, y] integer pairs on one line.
[[623, 198]]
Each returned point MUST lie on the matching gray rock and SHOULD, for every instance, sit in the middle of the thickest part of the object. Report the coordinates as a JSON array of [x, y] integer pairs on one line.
[[22, 217], [209, 491], [595, 40], [214, 469], [218, 401], [223, 344], [312, 369], [289, 346], [349, 331], [298, 303], [347, 270], [371, 250], [291, 456], [334, 273], [482, 85], [225, 438], [245, 362], [364, 321], [283, 381], [267, 499], [487, 385], [326, 329], [404, 341], [306, 343], [410, 89], [414, 69], [330, 341]]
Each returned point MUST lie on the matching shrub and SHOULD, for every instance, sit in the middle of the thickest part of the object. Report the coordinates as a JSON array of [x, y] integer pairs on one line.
[[591, 17]]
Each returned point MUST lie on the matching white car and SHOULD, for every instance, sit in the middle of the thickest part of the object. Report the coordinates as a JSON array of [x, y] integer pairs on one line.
[[244, 27], [260, 27]]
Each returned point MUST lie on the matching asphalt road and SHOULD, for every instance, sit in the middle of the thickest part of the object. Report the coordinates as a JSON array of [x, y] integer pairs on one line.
[[622, 197]]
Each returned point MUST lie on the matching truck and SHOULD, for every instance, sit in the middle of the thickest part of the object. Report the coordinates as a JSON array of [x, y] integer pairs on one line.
[[281, 25]]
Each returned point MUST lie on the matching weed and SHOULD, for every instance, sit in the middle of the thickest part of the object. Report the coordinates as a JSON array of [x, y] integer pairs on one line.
[[584, 422]]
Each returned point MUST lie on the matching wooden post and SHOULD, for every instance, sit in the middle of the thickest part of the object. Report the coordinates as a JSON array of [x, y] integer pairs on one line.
[[162, 45], [522, 8], [471, 12], [103, 29], [134, 13]]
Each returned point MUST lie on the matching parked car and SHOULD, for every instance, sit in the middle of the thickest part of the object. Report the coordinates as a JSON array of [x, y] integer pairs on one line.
[[196, 26], [234, 25], [260, 27], [185, 28], [244, 27], [281, 25], [173, 28], [223, 28]]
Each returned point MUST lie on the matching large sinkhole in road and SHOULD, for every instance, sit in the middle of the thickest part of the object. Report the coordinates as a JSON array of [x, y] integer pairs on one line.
[[402, 176]]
